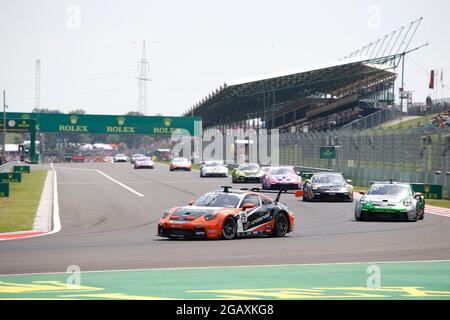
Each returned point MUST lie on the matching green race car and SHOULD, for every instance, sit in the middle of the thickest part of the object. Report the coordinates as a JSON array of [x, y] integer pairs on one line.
[[390, 201], [250, 172]]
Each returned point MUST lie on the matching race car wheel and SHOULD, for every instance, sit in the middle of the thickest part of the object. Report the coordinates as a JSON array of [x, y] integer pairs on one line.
[[413, 219], [281, 225], [305, 197], [422, 216], [233, 179], [229, 228]]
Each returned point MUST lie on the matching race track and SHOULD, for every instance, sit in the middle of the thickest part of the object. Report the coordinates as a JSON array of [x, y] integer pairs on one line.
[[106, 226]]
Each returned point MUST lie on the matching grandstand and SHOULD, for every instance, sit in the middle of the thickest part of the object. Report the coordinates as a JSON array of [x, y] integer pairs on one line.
[[319, 98], [314, 98]]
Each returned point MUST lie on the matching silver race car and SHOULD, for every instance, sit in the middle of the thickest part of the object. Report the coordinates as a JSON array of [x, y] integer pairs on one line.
[[213, 168], [327, 186]]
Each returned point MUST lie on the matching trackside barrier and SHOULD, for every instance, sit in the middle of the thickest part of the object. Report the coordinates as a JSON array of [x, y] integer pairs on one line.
[[4, 189], [11, 177], [11, 172], [21, 169]]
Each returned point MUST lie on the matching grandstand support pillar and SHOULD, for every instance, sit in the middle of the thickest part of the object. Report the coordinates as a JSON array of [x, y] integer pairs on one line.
[[273, 109], [263, 118], [403, 85]]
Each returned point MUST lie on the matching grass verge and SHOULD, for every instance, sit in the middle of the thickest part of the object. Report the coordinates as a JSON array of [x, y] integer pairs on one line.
[[18, 211], [439, 203]]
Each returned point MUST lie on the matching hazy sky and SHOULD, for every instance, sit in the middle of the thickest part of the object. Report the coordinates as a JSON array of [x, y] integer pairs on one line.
[[194, 46]]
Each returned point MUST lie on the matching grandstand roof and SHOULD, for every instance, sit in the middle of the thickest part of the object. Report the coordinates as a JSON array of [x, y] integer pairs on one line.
[[303, 70], [338, 79]]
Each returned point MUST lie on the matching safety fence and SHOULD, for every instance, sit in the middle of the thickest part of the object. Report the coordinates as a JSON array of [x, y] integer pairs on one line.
[[412, 155]]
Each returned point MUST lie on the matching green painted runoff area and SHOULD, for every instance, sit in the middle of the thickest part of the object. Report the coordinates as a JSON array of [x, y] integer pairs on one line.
[[405, 280]]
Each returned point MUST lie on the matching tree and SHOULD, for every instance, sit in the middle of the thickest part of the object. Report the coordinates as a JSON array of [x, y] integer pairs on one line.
[[46, 110], [78, 111], [134, 113]]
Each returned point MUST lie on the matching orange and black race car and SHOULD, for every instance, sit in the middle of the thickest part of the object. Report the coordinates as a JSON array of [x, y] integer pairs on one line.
[[227, 214]]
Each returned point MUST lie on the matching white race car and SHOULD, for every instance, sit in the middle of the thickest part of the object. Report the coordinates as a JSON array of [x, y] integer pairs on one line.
[[213, 168], [120, 158]]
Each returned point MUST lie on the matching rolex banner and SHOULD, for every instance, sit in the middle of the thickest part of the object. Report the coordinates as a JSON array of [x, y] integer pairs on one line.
[[110, 124]]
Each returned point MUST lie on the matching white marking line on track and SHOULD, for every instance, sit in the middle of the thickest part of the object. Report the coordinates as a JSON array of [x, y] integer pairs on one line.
[[108, 177], [56, 218], [120, 184], [236, 267]]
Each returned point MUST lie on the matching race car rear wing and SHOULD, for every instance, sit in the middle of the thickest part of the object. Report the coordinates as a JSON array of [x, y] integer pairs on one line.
[[298, 193]]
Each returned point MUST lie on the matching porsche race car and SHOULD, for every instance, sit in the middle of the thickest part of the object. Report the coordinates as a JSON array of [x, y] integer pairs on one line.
[[213, 168], [180, 164], [250, 172], [390, 201], [228, 214], [143, 163], [327, 186], [120, 158], [281, 178], [136, 156]]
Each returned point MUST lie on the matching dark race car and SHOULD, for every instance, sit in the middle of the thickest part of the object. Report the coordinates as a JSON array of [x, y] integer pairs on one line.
[[327, 186], [227, 214]]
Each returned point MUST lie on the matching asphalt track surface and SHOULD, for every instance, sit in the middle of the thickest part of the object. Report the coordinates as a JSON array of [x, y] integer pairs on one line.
[[108, 227]]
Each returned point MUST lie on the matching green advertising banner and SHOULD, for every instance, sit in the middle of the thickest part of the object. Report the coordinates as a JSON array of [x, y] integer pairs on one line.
[[112, 124], [430, 191], [21, 169], [11, 177], [327, 153], [18, 125], [4, 189]]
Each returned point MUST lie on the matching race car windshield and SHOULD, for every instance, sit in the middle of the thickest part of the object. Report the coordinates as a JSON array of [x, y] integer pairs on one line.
[[214, 164], [180, 160], [328, 179], [138, 156], [281, 171], [249, 167], [389, 190], [217, 200]]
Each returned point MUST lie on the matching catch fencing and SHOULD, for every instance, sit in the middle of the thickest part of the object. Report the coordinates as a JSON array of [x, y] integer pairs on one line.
[[415, 155]]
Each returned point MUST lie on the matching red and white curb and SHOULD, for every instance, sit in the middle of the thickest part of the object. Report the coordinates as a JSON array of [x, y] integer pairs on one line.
[[20, 234], [443, 212]]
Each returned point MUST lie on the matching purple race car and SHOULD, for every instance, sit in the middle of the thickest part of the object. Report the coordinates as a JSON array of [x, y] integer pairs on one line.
[[284, 178], [143, 162]]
